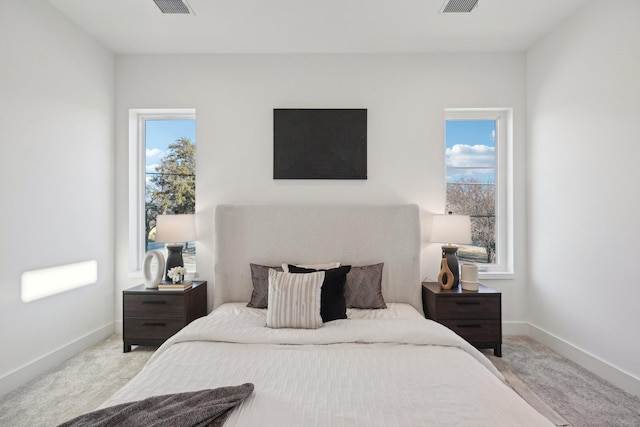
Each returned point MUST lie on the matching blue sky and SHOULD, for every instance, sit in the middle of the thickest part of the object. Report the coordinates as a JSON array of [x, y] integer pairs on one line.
[[160, 133], [470, 150]]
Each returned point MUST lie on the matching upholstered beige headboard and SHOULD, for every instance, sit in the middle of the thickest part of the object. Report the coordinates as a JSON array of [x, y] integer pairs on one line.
[[350, 234]]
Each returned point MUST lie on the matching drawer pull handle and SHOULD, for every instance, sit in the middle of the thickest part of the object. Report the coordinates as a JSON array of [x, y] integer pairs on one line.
[[154, 324], [154, 302], [470, 326], [468, 303]]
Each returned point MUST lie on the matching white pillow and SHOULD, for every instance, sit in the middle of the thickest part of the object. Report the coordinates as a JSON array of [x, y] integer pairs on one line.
[[326, 266], [294, 300]]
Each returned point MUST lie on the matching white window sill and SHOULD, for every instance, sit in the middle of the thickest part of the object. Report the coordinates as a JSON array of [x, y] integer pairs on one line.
[[495, 275]]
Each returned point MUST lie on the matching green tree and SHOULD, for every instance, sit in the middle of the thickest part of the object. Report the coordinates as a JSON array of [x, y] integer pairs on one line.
[[173, 185], [478, 200], [150, 215]]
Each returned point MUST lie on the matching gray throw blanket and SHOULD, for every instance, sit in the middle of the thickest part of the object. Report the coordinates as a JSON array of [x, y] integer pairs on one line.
[[204, 408]]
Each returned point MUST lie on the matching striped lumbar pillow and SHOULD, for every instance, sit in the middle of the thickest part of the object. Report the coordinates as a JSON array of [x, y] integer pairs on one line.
[[294, 300]]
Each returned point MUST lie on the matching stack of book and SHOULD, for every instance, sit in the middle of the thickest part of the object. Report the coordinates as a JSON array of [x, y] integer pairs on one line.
[[170, 286]]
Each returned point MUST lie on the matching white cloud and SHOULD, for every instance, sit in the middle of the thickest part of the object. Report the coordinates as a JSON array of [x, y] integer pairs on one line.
[[153, 152], [152, 168], [463, 156]]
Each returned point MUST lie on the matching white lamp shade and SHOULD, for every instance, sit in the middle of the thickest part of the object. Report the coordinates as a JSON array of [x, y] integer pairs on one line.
[[175, 228], [451, 229]]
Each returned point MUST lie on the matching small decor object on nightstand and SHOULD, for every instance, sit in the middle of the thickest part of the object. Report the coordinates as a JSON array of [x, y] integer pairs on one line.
[[170, 286], [445, 278], [153, 278], [469, 276], [176, 274]]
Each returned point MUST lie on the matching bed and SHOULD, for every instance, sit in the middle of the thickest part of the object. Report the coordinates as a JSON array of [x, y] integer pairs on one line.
[[377, 367]]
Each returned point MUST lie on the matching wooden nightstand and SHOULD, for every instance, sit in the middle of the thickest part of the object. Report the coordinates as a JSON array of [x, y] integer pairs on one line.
[[150, 316], [475, 316]]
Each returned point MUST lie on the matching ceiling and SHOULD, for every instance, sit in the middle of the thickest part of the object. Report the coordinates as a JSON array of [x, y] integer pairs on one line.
[[317, 26]]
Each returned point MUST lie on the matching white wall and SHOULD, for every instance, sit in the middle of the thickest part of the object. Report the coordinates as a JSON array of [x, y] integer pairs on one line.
[[234, 97], [56, 180], [583, 99]]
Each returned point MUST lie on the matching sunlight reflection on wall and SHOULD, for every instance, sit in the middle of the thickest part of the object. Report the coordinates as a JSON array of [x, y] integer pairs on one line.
[[45, 282]]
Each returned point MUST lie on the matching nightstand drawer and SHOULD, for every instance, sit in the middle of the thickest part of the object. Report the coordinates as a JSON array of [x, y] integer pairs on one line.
[[150, 316], [475, 316], [475, 307], [475, 331], [154, 306], [160, 329]]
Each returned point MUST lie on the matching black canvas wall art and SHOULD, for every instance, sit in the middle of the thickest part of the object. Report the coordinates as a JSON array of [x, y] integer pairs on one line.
[[320, 144]]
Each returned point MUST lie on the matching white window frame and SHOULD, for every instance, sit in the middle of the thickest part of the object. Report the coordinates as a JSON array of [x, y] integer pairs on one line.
[[137, 176], [503, 267]]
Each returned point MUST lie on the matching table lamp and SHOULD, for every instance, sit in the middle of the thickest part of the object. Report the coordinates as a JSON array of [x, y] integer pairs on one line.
[[175, 229], [451, 230]]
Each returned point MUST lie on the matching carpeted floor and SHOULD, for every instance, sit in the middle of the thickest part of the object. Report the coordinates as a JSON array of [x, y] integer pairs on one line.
[[578, 397], [77, 386]]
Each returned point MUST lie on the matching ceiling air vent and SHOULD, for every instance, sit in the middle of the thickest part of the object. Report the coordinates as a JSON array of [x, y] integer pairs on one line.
[[459, 6], [173, 6]]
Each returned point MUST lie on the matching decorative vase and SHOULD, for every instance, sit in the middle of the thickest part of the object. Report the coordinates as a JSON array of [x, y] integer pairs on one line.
[[445, 278], [469, 277], [153, 278]]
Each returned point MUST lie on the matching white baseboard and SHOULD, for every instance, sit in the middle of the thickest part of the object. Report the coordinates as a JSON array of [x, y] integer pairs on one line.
[[26, 373], [515, 328], [612, 374]]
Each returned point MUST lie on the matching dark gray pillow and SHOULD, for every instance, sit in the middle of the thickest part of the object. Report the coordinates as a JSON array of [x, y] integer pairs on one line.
[[364, 287], [260, 279]]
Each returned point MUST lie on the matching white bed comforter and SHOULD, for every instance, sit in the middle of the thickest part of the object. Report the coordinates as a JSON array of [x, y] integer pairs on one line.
[[353, 372]]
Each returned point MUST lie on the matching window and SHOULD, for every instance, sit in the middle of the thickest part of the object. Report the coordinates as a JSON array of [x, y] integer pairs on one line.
[[477, 146], [163, 150]]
